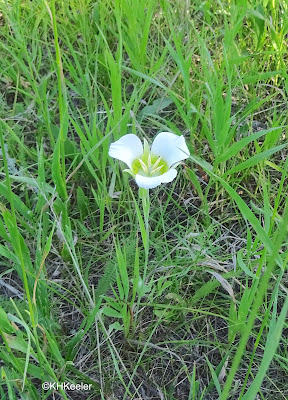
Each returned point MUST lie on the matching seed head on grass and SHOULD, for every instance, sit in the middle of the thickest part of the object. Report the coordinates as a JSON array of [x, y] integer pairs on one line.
[[151, 167]]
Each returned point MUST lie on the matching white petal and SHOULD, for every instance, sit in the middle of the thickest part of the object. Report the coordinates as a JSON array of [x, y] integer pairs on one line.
[[169, 146], [127, 149], [147, 182]]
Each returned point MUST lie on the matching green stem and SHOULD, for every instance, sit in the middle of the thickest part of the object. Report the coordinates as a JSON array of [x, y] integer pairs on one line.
[[146, 211], [144, 228]]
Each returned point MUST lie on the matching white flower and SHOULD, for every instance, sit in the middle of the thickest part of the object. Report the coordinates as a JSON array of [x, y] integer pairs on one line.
[[151, 167]]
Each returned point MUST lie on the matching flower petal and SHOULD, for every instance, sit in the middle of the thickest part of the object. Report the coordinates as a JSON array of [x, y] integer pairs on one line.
[[169, 146], [127, 149], [148, 182]]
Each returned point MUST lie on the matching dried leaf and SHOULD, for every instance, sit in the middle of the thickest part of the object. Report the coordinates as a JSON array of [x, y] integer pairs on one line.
[[224, 283]]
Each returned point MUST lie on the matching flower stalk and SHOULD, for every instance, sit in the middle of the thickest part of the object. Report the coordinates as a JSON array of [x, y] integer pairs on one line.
[[145, 197], [150, 167]]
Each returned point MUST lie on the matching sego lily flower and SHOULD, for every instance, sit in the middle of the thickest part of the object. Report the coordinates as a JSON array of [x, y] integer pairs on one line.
[[152, 167]]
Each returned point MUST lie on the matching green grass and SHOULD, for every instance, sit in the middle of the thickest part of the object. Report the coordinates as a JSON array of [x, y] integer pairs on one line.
[[178, 295]]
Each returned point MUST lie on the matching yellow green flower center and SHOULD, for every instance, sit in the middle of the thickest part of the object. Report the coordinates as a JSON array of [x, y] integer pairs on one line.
[[149, 165]]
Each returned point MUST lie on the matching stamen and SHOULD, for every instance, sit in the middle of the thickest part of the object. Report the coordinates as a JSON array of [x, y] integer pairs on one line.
[[144, 166], [155, 165], [154, 171]]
